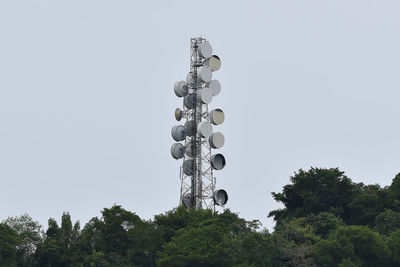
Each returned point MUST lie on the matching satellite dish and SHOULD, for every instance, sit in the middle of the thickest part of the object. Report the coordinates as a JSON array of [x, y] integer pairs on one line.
[[178, 114], [214, 62], [190, 101], [204, 73], [181, 89], [189, 166], [220, 197], [190, 79], [178, 133], [205, 50], [187, 201], [214, 86], [191, 128], [218, 161], [216, 140], [204, 129], [191, 149], [177, 151], [217, 116], [205, 95]]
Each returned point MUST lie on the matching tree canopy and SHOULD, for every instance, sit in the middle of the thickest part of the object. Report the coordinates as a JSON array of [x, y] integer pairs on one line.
[[326, 220]]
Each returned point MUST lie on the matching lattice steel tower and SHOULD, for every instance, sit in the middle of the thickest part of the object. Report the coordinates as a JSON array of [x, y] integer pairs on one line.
[[198, 183]]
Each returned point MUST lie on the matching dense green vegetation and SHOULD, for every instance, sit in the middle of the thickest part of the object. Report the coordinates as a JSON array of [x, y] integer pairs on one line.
[[326, 220]]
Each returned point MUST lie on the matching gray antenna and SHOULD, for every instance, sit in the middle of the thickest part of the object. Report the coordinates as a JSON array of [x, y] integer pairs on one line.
[[198, 183]]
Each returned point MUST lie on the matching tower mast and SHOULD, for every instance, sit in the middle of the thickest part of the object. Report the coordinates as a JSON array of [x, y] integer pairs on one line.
[[198, 183]]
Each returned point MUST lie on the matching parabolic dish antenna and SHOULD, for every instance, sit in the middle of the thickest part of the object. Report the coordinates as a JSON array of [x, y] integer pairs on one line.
[[204, 129], [191, 149], [218, 161], [205, 95], [216, 140], [181, 89], [191, 128], [177, 151], [178, 133], [214, 62], [178, 114], [205, 50], [189, 167], [217, 116], [190, 78], [220, 197], [214, 86], [190, 101], [204, 73]]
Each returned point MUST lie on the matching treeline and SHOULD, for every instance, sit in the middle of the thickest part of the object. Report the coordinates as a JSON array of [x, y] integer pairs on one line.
[[327, 220]]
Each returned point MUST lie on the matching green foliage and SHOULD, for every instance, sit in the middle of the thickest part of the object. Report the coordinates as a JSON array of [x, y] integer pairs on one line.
[[197, 246], [56, 246], [329, 190], [204, 238], [393, 244], [119, 238], [347, 263], [387, 222], [315, 191], [8, 250], [395, 186], [250, 248], [368, 203], [29, 236], [360, 244], [327, 220]]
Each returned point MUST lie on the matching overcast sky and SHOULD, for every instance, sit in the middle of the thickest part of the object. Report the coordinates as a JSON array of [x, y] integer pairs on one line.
[[87, 101]]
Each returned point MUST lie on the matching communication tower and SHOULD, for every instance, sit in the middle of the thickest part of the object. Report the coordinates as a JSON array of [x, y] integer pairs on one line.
[[198, 183]]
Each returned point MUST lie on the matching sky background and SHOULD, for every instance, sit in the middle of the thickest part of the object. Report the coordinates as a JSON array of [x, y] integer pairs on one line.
[[87, 101]]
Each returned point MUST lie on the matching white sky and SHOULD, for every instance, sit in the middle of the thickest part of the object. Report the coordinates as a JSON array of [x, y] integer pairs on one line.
[[87, 101]]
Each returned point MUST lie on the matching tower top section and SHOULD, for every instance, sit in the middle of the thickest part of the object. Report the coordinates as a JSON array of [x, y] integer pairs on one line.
[[196, 140]]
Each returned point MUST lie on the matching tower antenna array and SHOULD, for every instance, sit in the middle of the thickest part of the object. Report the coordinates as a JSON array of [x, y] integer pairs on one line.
[[198, 183]]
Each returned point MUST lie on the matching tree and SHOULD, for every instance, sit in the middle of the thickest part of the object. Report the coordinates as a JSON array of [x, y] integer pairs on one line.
[[56, 247], [29, 236], [8, 243], [395, 186], [196, 246], [205, 238], [359, 244], [294, 239], [119, 238], [394, 246], [250, 248], [387, 222], [368, 203], [324, 223], [315, 191]]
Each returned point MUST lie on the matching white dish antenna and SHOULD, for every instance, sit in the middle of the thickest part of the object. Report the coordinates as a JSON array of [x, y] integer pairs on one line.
[[217, 116], [181, 89], [205, 96], [205, 129], [214, 86], [216, 140], [214, 62], [205, 50], [204, 74]]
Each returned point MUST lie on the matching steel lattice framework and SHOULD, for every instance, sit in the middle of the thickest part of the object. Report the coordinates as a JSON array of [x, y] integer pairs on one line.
[[198, 185]]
